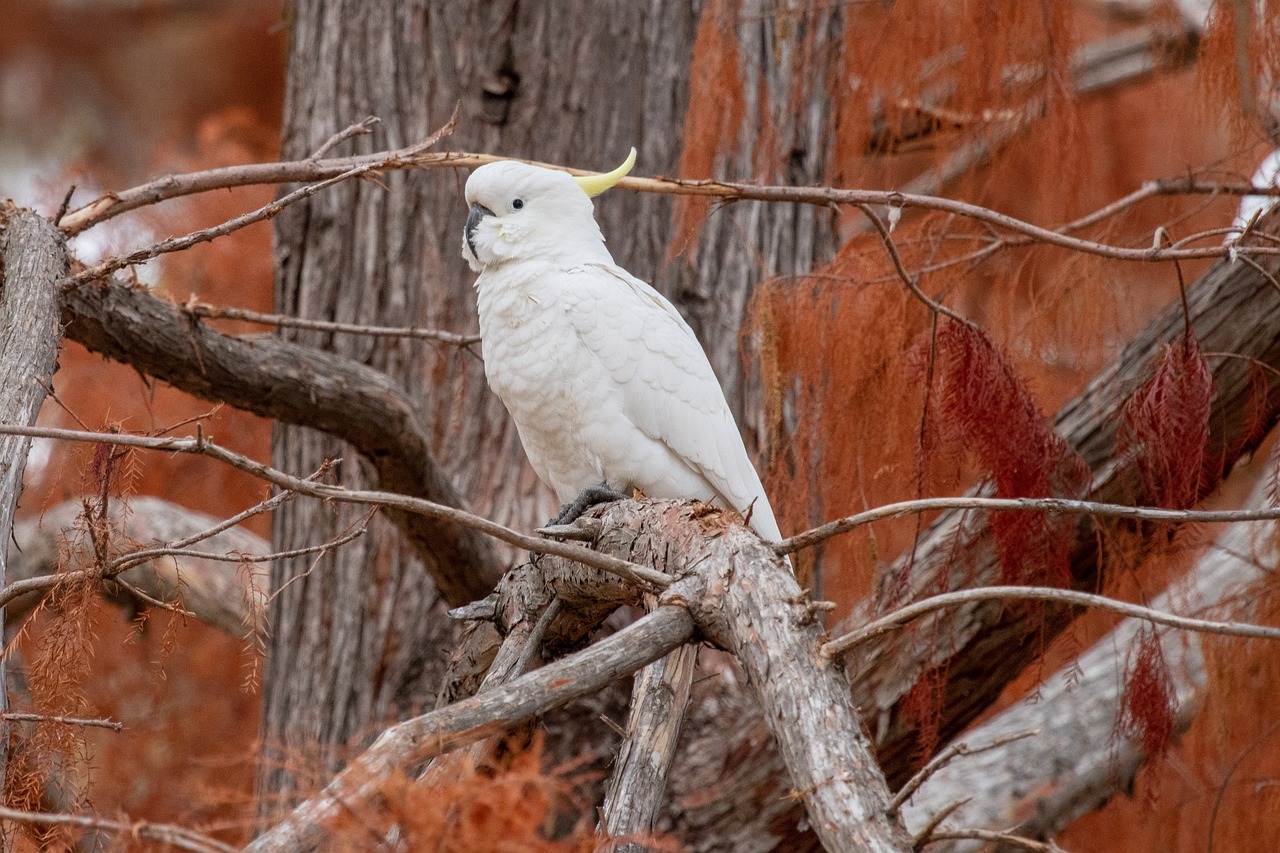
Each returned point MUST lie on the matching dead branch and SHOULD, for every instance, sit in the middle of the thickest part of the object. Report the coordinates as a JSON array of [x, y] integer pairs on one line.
[[298, 385], [177, 836], [221, 312], [205, 235], [634, 796], [840, 526], [904, 615], [27, 717], [642, 575]]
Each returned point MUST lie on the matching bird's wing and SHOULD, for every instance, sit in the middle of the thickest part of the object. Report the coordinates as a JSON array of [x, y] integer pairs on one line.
[[668, 386]]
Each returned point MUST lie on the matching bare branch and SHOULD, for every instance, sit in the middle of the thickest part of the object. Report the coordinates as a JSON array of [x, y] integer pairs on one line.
[[948, 755], [639, 782], [177, 836], [204, 235], [639, 574], [25, 717], [485, 714], [994, 837], [903, 615], [817, 535], [218, 312]]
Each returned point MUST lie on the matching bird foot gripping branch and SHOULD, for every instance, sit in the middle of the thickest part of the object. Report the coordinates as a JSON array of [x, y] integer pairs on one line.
[[607, 384]]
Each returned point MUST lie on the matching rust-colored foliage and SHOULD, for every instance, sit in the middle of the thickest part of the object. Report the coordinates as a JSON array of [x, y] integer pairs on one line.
[[517, 807], [714, 115], [1165, 427], [1149, 702], [983, 407]]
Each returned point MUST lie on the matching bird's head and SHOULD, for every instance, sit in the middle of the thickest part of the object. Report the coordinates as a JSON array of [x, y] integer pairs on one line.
[[522, 211]]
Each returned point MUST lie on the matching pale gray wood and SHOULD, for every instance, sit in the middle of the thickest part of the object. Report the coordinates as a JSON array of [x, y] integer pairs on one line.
[[634, 796], [740, 595], [33, 258], [488, 712]]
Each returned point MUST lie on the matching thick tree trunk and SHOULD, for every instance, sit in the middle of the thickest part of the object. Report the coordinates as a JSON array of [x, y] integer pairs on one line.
[[33, 259], [359, 639]]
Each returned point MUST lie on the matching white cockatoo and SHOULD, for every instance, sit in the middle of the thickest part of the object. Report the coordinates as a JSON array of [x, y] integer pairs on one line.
[[605, 380]]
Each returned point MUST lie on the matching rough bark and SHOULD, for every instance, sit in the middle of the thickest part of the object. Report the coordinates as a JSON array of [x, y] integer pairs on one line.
[[1039, 785], [528, 86], [740, 595], [636, 790], [218, 592], [1235, 309], [33, 259]]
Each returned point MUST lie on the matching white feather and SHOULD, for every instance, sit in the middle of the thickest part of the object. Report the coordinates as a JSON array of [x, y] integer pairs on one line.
[[605, 380]]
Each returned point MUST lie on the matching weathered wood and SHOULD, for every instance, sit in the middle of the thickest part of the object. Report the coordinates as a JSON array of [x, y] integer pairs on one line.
[[1038, 785], [634, 796], [741, 595], [487, 713], [33, 258], [214, 590]]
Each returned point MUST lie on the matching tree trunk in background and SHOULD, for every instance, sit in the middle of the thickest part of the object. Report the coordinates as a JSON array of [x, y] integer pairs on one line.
[[361, 638]]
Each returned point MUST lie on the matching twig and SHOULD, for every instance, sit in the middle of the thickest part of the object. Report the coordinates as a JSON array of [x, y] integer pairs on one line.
[[911, 282], [180, 837], [360, 128], [25, 717], [818, 535], [217, 312], [416, 157], [994, 837], [945, 757], [915, 610], [643, 575], [204, 235]]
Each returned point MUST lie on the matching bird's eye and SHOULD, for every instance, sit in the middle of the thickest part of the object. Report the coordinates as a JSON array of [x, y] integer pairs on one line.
[[517, 204]]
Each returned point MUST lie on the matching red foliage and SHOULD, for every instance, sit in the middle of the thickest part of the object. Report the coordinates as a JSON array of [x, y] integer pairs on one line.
[[1149, 702], [1165, 428], [984, 408]]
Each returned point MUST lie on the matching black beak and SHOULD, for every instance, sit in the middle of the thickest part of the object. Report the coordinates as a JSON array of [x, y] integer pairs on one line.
[[478, 212]]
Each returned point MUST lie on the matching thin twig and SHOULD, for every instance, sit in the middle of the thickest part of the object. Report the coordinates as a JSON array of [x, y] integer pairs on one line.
[[533, 643], [911, 282], [925, 606], [642, 575], [818, 535], [945, 757], [181, 837], [218, 312], [25, 717], [995, 837], [360, 128], [204, 235]]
